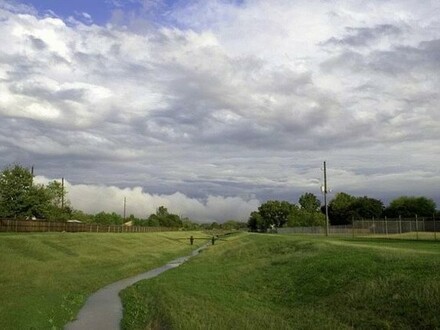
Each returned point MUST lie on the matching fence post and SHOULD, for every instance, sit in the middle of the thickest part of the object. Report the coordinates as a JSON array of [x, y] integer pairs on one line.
[[352, 228], [435, 229], [386, 226], [417, 229], [374, 227], [400, 224]]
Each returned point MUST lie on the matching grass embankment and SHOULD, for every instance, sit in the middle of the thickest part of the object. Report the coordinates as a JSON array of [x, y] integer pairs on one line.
[[46, 278], [430, 236], [287, 282]]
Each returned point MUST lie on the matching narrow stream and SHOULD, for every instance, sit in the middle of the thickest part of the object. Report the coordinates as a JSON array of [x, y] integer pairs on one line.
[[103, 309]]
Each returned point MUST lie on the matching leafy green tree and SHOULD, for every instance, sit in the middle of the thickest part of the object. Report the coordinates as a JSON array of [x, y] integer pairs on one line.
[[409, 206], [81, 216], [104, 218], [153, 221], [340, 209], [275, 212], [366, 207], [163, 218], [38, 202], [59, 206], [256, 222], [57, 194], [344, 208], [309, 202], [305, 218], [19, 198]]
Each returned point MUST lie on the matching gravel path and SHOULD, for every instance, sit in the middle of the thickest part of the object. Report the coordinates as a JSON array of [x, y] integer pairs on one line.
[[103, 309]]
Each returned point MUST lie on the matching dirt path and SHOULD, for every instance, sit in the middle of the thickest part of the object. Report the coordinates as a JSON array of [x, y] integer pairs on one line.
[[103, 309]]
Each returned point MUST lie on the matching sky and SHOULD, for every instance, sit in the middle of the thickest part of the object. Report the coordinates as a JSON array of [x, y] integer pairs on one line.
[[211, 108]]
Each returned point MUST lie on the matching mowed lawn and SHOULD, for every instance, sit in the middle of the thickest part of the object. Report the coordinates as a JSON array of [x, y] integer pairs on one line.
[[254, 281], [45, 278]]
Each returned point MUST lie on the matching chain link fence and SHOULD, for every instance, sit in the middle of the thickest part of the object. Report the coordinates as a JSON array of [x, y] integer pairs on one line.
[[415, 228]]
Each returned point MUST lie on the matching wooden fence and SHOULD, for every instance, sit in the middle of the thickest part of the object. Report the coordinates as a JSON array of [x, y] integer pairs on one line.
[[32, 226]]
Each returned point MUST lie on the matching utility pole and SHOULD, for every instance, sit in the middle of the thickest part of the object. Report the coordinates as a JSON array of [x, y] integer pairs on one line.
[[325, 200], [62, 193], [32, 174], [125, 206]]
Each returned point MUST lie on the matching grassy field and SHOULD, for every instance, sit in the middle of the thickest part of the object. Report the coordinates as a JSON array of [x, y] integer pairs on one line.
[[45, 278], [252, 281]]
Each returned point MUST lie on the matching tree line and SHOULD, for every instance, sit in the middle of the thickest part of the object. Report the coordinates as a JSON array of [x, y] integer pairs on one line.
[[22, 198], [345, 208], [342, 210]]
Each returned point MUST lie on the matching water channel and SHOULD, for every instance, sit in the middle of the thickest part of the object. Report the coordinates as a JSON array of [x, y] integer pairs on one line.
[[103, 309]]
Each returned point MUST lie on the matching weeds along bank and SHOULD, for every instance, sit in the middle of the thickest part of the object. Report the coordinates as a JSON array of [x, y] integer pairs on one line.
[[46, 277], [254, 281]]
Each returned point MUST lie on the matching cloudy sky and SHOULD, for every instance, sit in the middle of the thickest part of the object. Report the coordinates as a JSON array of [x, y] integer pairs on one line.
[[212, 107]]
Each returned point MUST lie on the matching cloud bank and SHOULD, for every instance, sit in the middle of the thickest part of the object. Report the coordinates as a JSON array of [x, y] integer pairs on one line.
[[96, 198], [226, 98]]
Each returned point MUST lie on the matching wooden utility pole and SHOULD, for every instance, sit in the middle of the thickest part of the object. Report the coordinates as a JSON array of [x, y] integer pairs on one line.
[[62, 193], [325, 200], [32, 174], [125, 206]]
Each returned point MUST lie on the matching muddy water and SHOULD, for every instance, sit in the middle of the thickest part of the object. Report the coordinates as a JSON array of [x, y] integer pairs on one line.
[[103, 309]]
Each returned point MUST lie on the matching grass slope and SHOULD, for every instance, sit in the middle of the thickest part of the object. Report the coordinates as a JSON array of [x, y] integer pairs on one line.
[[288, 282], [46, 278]]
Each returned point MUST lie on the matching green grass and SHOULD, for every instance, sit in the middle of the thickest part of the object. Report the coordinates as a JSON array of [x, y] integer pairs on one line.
[[253, 281], [46, 278], [411, 235]]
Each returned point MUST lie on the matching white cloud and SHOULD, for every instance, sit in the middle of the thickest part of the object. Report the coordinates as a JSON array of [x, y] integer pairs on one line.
[[96, 198], [219, 98]]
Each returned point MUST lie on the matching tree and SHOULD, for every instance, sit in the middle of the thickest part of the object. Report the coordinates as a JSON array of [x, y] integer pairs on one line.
[[187, 224], [366, 207], [59, 206], [164, 219], [305, 218], [256, 222], [408, 207], [104, 218], [275, 212], [309, 202], [57, 194], [18, 196], [81, 216], [233, 224], [340, 209]]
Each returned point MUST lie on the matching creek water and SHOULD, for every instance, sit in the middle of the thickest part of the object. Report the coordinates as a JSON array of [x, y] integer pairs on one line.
[[103, 309]]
